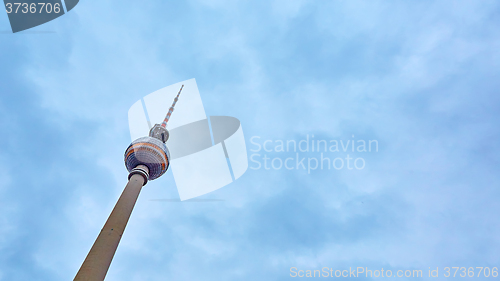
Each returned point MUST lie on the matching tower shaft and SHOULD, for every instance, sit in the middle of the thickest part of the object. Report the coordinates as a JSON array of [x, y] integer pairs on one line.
[[97, 262]]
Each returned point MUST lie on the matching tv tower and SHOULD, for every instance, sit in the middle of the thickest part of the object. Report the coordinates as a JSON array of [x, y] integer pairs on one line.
[[146, 158]]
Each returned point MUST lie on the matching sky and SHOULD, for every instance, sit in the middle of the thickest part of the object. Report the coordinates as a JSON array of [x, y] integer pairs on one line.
[[420, 77]]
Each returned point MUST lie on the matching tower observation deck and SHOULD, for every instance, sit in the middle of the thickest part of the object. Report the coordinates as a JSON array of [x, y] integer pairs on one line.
[[146, 158]]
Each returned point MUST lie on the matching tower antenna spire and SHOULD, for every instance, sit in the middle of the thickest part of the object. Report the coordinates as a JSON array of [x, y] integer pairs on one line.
[[167, 117], [160, 131]]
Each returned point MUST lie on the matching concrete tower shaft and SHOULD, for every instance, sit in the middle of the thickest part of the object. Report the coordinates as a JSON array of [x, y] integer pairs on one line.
[[97, 262]]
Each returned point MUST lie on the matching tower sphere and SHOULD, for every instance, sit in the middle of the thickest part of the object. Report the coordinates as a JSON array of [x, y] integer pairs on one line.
[[148, 151]]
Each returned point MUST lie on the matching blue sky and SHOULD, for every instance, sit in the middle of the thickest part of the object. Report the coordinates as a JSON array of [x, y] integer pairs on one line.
[[421, 77]]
